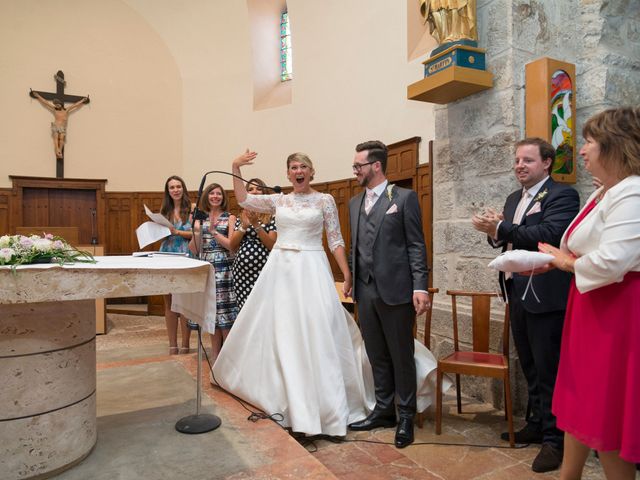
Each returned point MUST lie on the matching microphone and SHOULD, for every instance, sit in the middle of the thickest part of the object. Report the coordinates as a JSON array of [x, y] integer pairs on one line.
[[199, 215]]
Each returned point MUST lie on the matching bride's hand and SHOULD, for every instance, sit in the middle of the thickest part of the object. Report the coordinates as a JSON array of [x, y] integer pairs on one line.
[[245, 159], [347, 286]]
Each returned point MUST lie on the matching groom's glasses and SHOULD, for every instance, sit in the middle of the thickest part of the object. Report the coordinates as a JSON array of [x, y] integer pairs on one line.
[[356, 167]]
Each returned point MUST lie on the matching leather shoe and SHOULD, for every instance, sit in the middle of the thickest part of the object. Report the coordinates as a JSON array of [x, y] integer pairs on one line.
[[529, 434], [548, 459], [404, 432], [374, 420]]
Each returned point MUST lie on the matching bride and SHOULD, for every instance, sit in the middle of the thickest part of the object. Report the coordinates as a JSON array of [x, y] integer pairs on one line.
[[294, 349]]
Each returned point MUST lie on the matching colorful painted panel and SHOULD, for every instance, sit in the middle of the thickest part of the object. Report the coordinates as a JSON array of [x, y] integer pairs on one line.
[[286, 66], [562, 137]]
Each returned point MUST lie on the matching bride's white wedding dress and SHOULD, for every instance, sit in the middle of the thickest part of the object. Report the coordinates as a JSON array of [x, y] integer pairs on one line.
[[293, 348]]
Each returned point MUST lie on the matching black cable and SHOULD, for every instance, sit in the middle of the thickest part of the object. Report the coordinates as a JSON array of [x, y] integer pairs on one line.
[[255, 415]]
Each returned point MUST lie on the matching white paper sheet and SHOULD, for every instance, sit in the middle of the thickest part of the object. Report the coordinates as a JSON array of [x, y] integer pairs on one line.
[[157, 218], [150, 232]]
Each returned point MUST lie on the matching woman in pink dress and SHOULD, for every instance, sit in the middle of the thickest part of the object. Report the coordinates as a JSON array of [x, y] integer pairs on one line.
[[597, 394]]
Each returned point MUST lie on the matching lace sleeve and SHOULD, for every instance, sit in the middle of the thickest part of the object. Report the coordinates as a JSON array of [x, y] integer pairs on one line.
[[331, 222], [261, 203]]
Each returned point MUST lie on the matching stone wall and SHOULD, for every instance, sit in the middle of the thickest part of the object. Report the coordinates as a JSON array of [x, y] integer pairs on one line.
[[473, 151]]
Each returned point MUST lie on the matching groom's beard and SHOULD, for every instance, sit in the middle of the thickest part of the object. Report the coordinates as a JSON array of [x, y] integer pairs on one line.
[[366, 179]]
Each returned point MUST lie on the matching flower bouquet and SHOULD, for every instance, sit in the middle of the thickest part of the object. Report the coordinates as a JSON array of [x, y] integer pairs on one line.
[[21, 250]]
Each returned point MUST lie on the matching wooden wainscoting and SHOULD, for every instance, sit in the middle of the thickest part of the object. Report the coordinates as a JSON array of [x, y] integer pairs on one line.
[[5, 211], [120, 213]]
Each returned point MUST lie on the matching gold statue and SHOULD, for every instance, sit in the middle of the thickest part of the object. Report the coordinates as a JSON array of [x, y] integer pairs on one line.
[[450, 20]]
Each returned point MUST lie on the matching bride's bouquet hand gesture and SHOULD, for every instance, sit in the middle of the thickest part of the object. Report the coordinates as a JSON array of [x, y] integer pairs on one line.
[[246, 158]]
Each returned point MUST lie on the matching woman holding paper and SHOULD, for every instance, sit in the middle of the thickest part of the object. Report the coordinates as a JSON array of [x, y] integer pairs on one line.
[[175, 208], [213, 245], [597, 391]]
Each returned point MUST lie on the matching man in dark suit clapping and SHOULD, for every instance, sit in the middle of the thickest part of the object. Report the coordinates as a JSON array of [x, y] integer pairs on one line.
[[538, 212], [390, 286]]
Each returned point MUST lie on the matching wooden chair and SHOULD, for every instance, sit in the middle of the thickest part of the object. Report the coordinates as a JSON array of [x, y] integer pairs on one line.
[[426, 338], [478, 362]]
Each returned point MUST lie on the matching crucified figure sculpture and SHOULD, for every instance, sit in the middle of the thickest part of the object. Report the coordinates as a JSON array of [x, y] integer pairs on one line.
[[61, 116]]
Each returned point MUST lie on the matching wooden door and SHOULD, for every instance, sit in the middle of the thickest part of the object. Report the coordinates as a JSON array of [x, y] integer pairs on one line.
[[61, 208]]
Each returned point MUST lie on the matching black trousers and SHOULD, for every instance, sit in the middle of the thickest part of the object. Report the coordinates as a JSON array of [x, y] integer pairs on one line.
[[388, 337], [537, 339]]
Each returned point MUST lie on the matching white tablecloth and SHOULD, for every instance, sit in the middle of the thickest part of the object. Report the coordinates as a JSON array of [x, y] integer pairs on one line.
[[199, 307], [160, 262]]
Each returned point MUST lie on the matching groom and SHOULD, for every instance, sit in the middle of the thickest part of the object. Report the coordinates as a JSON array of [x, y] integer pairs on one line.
[[390, 287]]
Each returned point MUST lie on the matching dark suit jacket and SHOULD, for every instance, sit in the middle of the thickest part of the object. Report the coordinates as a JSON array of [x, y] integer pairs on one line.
[[400, 257], [559, 204]]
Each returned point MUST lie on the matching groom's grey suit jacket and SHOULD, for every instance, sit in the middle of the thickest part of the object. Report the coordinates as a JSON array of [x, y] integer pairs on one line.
[[392, 244]]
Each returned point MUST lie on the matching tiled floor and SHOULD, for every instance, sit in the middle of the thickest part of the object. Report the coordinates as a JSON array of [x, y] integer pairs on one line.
[[138, 340]]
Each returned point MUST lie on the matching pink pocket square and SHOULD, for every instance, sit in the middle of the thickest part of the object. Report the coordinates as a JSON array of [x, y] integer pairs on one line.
[[392, 209], [534, 209]]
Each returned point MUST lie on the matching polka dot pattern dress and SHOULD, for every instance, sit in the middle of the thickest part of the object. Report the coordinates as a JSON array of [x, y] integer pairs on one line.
[[250, 258]]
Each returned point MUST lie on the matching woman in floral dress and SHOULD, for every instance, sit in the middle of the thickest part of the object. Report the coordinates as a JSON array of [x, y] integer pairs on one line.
[[175, 208], [212, 244]]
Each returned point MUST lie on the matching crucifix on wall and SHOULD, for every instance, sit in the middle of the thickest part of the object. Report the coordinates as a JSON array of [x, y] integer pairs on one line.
[[54, 102]]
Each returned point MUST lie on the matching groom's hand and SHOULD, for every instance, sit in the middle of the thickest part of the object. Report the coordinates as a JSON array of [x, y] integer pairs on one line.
[[420, 302]]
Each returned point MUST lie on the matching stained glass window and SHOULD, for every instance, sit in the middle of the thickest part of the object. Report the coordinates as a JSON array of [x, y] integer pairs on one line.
[[286, 71]]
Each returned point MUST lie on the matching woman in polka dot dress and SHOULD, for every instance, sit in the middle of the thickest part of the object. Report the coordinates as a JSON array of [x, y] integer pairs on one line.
[[252, 241]]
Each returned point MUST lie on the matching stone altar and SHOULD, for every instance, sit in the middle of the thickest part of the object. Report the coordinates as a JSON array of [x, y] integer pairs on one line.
[[48, 355]]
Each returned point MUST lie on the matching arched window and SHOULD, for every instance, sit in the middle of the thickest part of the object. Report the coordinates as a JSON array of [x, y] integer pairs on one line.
[[286, 70]]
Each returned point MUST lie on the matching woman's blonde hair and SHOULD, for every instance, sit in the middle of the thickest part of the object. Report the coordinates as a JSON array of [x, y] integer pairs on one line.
[[617, 131], [302, 158]]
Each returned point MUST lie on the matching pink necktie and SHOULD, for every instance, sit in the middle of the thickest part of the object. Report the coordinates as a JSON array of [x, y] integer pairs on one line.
[[517, 218], [368, 201], [522, 206]]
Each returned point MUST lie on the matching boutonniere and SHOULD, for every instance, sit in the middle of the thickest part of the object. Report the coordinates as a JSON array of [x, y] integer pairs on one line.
[[390, 191], [541, 195]]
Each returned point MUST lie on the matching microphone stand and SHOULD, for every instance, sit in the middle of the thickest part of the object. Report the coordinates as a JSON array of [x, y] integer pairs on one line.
[[200, 422], [203, 422]]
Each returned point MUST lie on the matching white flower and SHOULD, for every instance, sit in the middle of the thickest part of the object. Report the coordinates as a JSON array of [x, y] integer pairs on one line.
[[390, 190], [25, 242], [42, 244], [19, 250], [6, 254]]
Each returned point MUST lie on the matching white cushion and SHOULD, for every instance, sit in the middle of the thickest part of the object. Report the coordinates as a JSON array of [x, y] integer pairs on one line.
[[520, 261]]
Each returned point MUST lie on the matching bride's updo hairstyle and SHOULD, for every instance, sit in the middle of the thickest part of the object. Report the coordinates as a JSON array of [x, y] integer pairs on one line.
[[302, 158]]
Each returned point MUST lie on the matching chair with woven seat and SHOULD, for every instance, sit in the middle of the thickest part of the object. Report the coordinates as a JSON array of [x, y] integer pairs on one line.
[[479, 361], [426, 338]]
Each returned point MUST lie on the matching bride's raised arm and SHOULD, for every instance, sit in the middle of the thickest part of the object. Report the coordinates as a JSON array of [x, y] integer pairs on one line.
[[256, 203], [238, 184]]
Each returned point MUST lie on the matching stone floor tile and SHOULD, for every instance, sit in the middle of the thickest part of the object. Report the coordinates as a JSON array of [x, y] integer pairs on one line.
[[391, 472], [458, 463], [348, 458]]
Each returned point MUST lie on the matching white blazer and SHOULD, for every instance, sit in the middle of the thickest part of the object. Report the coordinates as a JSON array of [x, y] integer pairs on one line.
[[607, 241]]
